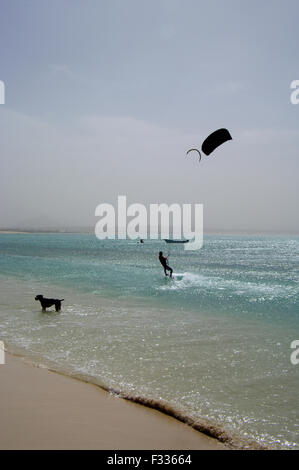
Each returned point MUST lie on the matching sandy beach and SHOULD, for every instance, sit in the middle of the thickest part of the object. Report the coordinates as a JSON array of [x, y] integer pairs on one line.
[[41, 409]]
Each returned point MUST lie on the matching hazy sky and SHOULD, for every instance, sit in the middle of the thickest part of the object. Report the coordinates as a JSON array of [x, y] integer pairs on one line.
[[104, 97]]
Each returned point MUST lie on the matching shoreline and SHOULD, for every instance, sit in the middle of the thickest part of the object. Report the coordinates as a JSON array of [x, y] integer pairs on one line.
[[210, 435], [43, 409], [223, 233], [35, 320]]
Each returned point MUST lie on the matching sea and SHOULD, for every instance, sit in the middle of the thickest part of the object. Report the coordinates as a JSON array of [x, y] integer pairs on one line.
[[213, 343]]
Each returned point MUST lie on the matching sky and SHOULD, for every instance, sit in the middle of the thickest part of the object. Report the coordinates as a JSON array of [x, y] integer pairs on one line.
[[104, 97]]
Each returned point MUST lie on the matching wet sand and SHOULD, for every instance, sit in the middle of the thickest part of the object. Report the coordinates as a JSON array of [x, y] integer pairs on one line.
[[41, 409]]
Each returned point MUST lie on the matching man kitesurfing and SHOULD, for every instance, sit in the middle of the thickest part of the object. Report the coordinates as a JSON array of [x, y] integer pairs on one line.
[[163, 261]]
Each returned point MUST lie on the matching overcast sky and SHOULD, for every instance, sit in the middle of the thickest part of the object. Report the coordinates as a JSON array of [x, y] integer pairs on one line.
[[104, 97]]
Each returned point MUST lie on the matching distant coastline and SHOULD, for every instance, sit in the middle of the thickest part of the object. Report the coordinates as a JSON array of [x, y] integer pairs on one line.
[[90, 230], [45, 231]]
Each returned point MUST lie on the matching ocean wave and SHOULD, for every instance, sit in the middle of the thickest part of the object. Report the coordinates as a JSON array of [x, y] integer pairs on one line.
[[208, 427]]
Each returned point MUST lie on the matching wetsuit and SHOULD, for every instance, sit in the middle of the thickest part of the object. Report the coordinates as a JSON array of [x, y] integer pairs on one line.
[[163, 261]]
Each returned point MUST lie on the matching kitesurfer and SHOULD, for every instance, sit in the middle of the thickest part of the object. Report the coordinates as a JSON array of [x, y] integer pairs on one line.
[[163, 261]]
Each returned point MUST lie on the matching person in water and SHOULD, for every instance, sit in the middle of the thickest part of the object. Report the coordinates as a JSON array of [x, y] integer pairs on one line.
[[163, 261]]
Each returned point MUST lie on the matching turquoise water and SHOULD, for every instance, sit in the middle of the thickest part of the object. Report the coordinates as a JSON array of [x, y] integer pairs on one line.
[[215, 342]]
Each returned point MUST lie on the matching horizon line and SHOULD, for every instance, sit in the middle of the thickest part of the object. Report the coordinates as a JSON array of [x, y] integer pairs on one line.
[[89, 229]]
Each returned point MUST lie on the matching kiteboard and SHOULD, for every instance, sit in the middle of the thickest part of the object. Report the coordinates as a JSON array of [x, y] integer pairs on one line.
[[177, 277]]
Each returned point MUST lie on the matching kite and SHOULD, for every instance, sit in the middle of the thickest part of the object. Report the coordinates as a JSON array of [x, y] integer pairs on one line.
[[213, 141]]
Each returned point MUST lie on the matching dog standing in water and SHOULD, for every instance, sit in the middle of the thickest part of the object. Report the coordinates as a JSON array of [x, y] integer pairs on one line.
[[45, 303]]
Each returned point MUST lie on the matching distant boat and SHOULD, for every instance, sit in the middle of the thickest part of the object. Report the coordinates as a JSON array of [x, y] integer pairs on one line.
[[167, 240]]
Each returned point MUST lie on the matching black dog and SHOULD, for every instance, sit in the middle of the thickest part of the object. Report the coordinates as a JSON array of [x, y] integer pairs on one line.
[[45, 303]]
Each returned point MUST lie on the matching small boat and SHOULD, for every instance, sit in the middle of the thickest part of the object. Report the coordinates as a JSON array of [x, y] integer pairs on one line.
[[167, 240]]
